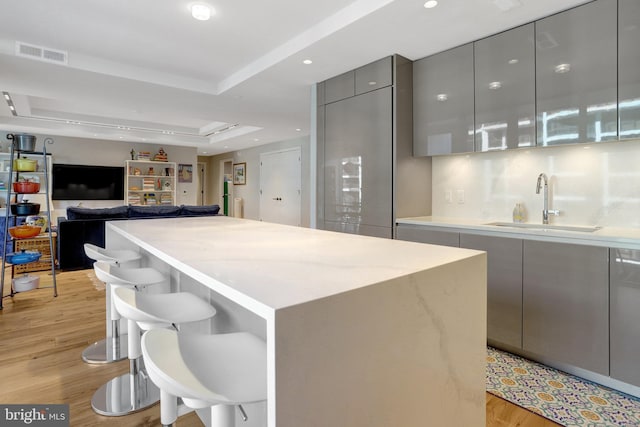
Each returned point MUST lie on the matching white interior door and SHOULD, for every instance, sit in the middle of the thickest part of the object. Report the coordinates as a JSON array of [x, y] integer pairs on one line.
[[280, 184]]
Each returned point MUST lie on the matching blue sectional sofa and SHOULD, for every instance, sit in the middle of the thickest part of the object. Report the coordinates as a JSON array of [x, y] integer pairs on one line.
[[84, 225]]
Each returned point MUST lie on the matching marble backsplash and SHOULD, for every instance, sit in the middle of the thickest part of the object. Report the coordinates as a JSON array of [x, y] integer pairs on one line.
[[591, 184]]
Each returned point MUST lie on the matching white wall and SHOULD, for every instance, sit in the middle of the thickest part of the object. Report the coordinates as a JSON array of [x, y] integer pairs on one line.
[[591, 184], [110, 153], [250, 192]]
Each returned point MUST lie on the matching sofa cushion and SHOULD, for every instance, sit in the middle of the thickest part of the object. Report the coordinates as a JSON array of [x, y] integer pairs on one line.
[[187, 210], [153, 211], [101, 213]]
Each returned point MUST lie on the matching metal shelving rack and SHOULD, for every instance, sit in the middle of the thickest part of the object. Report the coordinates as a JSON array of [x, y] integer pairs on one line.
[[13, 177]]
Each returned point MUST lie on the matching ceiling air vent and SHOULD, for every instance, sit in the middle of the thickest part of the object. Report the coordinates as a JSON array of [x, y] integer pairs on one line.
[[41, 53]]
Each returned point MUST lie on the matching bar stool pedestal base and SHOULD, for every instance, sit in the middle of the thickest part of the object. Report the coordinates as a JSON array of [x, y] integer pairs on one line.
[[116, 398], [103, 352]]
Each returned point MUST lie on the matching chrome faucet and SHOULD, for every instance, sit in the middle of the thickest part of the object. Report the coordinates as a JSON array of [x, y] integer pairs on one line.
[[545, 209]]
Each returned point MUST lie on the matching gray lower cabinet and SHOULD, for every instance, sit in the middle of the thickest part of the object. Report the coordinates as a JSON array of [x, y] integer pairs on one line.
[[566, 303], [504, 286], [625, 315], [426, 235]]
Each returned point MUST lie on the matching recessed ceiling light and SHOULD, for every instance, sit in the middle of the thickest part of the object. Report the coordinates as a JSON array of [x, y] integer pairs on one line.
[[307, 62], [562, 68], [495, 85], [373, 83], [201, 11], [298, 130], [442, 97], [256, 139], [431, 4], [513, 61]]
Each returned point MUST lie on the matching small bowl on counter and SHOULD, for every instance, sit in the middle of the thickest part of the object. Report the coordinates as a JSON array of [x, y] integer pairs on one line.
[[26, 187], [24, 231]]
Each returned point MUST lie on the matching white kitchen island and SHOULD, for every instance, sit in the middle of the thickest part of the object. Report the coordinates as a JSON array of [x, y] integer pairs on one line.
[[360, 331]]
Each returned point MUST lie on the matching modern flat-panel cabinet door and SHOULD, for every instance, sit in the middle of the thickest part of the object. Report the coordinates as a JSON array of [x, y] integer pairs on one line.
[[504, 286], [576, 75], [339, 87], [628, 68], [566, 303], [625, 315], [374, 76], [505, 91], [358, 160], [427, 235], [443, 103]]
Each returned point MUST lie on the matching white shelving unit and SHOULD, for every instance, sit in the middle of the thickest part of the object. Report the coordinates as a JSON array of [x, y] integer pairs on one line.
[[148, 182]]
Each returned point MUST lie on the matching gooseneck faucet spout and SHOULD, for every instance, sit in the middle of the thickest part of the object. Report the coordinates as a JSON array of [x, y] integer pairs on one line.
[[545, 209]]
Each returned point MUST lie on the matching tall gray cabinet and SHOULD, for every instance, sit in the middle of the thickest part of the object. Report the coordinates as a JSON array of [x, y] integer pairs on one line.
[[366, 173]]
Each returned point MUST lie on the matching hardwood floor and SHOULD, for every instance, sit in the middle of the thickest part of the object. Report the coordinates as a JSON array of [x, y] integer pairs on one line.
[[42, 338]]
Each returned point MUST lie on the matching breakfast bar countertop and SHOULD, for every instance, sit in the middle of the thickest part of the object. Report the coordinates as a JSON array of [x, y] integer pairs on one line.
[[360, 331]]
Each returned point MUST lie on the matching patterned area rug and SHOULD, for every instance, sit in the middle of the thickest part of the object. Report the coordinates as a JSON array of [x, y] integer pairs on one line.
[[560, 397]]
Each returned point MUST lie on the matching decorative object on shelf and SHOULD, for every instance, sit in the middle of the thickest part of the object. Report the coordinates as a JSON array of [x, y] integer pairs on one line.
[[168, 171], [133, 154], [185, 173], [25, 283], [25, 208], [239, 173], [136, 171], [22, 141], [25, 165], [161, 156], [26, 187], [37, 221], [150, 171], [24, 231], [22, 257], [144, 155]]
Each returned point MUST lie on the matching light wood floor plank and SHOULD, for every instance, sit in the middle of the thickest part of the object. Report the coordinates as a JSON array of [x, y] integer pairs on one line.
[[42, 338]]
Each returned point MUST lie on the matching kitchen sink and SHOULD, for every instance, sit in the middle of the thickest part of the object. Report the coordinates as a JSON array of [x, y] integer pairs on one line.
[[546, 227]]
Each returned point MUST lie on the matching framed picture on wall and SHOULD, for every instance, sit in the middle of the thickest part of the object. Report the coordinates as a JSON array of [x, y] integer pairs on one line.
[[239, 173], [185, 173]]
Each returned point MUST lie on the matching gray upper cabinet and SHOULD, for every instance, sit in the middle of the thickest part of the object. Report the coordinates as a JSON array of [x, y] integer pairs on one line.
[[625, 315], [576, 76], [565, 294], [443, 103], [628, 68], [339, 87], [504, 286], [374, 76], [505, 90]]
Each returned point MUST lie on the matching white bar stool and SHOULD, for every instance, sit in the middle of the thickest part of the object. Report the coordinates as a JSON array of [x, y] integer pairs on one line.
[[114, 349], [220, 371], [133, 391]]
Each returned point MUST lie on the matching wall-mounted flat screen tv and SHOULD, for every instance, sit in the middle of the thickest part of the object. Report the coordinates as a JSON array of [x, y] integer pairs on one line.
[[86, 182]]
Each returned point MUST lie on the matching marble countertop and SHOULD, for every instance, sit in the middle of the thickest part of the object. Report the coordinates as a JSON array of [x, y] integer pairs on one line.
[[627, 238], [270, 266]]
